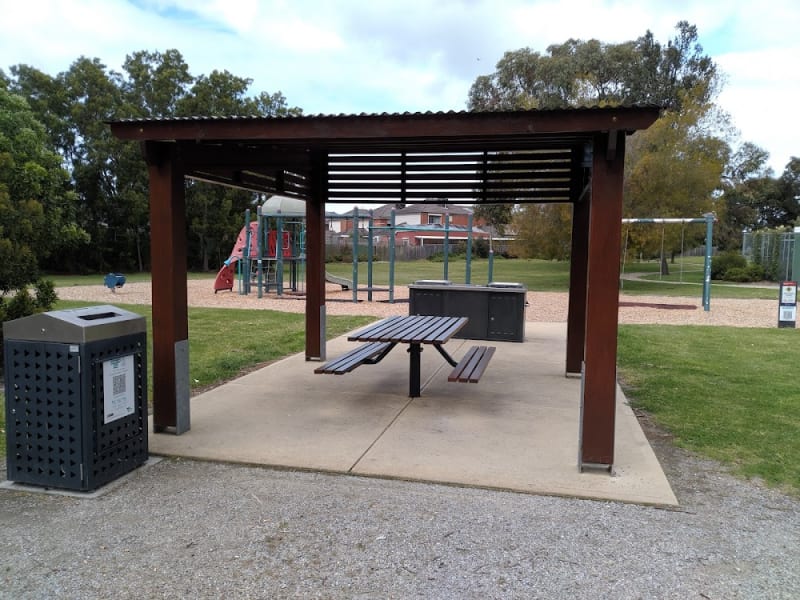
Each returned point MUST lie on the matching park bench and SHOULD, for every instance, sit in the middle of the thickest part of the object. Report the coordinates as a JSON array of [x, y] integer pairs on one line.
[[366, 354], [471, 367], [415, 331]]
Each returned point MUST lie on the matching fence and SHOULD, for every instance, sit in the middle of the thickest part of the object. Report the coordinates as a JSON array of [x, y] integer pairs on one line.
[[773, 250]]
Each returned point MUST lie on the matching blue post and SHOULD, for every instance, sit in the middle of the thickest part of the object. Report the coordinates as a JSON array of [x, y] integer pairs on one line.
[[469, 250], [355, 254], [446, 242], [392, 227], [707, 266]]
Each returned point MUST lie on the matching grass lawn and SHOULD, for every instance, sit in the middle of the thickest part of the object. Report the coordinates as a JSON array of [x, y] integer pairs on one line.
[[725, 392], [97, 278], [537, 275], [544, 276]]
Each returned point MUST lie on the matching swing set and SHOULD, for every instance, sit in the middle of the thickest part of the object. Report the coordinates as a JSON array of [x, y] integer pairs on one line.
[[708, 219]]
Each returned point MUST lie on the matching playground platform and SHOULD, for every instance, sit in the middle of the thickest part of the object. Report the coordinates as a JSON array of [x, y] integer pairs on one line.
[[515, 430]]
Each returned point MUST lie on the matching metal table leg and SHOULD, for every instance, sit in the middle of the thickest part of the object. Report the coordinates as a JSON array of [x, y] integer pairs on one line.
[[414, 350]]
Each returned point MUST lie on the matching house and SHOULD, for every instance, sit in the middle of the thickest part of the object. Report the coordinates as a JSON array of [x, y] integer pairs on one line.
[[417, 224]]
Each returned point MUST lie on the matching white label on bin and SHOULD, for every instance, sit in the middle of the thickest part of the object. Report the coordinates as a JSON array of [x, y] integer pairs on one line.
[[118, 388]]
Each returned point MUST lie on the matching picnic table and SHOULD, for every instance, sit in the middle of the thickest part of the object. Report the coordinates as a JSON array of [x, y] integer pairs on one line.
[[381, 337]]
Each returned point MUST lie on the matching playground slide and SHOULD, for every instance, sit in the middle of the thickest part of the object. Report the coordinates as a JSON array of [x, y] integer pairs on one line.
[[345, 283], [226, 275]]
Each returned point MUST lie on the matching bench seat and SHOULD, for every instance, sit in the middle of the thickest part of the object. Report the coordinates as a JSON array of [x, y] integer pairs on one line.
[[470, 368], [369, 354]]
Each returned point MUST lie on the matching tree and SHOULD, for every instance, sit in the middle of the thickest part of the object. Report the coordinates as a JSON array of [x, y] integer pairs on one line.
[[681, 148], [789, 190], [544, 231], [37, 219], [580, 72], [673, 169], [108, 177], [156, 83], [746, 184], [497, 216]]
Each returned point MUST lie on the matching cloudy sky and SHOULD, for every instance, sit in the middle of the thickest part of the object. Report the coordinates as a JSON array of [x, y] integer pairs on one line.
[[350, 56]]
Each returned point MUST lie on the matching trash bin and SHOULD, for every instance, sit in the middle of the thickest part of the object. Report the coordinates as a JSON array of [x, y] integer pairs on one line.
[[76, 396], [496, 311]]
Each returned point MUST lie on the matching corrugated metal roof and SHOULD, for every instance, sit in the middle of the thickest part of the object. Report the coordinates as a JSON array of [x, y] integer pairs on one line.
[[364, 115]]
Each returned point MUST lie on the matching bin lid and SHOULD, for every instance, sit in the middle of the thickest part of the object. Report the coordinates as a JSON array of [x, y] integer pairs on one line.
[[505, 284], [75, 325], [432, 282]]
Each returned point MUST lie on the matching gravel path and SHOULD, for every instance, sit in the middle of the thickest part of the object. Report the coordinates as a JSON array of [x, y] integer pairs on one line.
[[185, 529]]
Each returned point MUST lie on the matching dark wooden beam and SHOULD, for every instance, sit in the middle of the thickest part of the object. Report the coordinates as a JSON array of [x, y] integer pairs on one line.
[[602, 305], [262, 157], [315, 257], [576, 316], [170, 313]]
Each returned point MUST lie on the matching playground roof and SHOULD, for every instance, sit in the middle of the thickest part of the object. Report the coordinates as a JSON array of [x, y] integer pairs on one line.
[[283, 206], [519, 156]]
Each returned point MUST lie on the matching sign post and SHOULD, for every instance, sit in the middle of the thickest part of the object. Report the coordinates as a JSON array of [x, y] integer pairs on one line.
[[787, 307]]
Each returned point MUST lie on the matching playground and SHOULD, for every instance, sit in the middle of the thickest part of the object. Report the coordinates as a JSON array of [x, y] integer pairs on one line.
[[259, 264]]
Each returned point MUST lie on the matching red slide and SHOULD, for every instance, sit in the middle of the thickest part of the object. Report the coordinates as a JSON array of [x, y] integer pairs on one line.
[[227, 273]]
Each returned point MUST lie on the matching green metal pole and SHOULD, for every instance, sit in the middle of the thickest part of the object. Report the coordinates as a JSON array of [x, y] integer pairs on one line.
[[469, 249], [355, 254], [491, 261], [707, 266], [391, 255], [279, 254], [796, 255], [369, 259], [245, 289], [260, 234], [446, 242]]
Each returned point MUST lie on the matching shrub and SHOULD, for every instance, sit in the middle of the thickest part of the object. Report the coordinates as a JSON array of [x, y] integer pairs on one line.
[[751, 272], [21, 305], [722, 263], [756, 272], [45, 293], [738, 274]]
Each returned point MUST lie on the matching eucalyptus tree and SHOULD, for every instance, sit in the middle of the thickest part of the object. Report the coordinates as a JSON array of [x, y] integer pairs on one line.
[[677, 76]]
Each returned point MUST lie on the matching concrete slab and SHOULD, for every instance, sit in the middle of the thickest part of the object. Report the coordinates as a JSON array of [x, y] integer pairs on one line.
[[517, 429]]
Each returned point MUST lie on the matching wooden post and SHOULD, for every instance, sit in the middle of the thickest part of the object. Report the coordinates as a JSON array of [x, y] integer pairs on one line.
[[315, 256], [598, 404], [170, 315], [576, 317]]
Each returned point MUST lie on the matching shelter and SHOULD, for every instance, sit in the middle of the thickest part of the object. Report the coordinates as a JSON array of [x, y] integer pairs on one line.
[[572, 155]]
